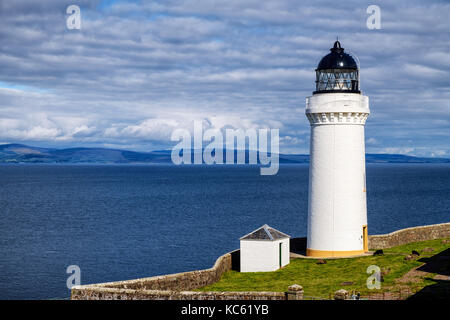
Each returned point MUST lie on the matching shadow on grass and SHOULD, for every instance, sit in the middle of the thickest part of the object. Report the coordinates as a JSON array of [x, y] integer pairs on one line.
[[440, 289], [439, 263]]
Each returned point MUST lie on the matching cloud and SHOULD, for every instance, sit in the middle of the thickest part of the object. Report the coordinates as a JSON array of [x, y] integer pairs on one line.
[[398, 150], [372, 142], [139, 69]]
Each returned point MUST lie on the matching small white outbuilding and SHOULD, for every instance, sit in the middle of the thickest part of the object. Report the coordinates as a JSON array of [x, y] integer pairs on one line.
[[265, 249]]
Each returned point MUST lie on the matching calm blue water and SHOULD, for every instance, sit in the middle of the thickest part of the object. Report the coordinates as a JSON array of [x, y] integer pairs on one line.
[[123, 222]]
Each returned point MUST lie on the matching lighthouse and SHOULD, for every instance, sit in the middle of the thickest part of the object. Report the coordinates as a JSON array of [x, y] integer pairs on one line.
[[337, 112]]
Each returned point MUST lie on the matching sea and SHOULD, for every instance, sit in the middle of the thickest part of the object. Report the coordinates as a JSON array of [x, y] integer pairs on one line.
[[120, 222]]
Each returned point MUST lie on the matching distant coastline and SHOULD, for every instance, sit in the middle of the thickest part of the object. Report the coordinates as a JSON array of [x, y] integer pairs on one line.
[[20, 153]]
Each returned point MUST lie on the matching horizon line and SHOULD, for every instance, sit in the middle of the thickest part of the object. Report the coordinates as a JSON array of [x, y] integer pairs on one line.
[[196, 150]]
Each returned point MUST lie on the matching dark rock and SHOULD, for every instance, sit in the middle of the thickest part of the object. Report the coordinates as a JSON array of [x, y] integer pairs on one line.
[[385, 271], [415, 253], [410, 257], [378, 253]]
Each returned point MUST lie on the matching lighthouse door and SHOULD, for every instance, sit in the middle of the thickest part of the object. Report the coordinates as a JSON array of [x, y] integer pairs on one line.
[[365, 239]]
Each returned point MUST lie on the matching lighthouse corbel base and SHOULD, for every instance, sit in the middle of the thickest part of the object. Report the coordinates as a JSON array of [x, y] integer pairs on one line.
[[337, 213]]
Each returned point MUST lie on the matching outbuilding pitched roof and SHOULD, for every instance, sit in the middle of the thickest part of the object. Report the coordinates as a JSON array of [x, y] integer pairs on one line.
[[265, 233]]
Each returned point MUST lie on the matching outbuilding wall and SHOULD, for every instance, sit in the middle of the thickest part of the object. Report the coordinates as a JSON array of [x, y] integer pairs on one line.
[[263, 255]]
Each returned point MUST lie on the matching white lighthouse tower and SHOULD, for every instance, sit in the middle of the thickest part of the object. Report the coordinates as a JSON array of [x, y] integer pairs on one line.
[[337, 112]]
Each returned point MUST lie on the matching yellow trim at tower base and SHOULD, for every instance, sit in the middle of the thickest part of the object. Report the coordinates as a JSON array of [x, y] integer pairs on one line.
[[327, 254]]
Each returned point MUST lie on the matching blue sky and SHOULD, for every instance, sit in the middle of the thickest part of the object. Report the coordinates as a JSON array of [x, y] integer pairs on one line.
[[137, 70]]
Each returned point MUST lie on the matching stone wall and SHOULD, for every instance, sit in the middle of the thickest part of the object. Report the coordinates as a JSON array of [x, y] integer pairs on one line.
[[175, 286], [164, 286], [104, 293], [403, 236]]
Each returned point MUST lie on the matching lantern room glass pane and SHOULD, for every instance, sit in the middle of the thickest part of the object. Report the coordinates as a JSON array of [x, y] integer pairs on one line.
[[337, 80]]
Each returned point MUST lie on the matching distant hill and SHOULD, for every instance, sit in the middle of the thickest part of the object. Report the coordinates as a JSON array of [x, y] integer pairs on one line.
[[19, 153]]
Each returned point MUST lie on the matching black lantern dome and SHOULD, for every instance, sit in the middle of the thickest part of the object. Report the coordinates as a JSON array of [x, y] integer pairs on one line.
[[337, 72]]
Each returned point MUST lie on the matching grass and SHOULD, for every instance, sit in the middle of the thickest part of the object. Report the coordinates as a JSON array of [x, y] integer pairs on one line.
[[321, 280]]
